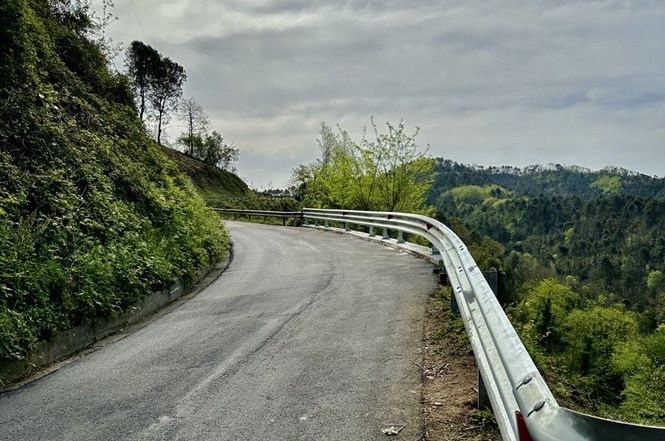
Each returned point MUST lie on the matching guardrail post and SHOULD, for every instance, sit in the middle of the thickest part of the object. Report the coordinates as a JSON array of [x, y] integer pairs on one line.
[[434, 251], [346, 226], [385, 234], [400, 237], [326, 223], [316, 222], [371, 231], [483, 398]]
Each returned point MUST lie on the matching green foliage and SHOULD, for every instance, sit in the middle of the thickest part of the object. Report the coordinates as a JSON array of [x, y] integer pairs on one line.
[[156, 80], [93, 216], [475, 194], [219, 188], [592, 336], [583, 256], [642, 363], [142, 65], [610, 243], [595, 353], [211, 149], [386, 174], [655, 280], [544, 309], [165, 91], [609, 185]]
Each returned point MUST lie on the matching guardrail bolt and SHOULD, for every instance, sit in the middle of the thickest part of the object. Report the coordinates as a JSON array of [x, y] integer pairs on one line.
[[525, 380], [536, 407]]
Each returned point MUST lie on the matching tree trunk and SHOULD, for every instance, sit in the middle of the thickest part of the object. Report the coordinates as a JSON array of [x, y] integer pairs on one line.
[[159, 128], [142, 94], [191, 133]]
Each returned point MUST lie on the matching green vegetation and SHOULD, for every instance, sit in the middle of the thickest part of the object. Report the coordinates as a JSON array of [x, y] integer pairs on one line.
[[93, 215], [386, 174], [157, 80], [582, 256], [199, 143], [212, 183]]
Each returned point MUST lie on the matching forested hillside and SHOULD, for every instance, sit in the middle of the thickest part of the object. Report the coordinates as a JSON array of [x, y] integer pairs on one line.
[[552, 180], [582, 255], [93, 215]]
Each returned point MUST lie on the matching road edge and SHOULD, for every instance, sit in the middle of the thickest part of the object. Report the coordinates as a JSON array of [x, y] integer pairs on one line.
[[75, 343]]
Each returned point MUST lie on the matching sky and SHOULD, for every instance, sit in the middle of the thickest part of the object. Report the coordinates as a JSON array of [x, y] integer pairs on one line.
[[490, 82]]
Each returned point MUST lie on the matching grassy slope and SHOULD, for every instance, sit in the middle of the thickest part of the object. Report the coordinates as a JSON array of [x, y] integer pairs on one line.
[[93, 215], [212, 183]]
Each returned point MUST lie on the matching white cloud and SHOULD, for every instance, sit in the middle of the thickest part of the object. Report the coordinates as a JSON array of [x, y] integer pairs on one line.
[[487, 81]]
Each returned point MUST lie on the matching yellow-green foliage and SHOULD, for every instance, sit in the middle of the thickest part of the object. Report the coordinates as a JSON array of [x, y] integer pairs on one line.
[[609, 185], [93, 216], [544, 308], [387, 174], [492, 195], [598, 351], [642, 363]]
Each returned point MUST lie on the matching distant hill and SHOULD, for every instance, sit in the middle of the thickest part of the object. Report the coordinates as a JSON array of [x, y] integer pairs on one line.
[[552, 180], [213, 183], [604, 227]]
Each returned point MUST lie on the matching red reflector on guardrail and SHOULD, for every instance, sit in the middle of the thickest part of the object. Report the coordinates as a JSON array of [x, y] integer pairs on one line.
[[522, 432]]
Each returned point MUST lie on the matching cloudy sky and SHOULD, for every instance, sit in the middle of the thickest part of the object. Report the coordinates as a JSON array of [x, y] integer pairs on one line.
[[488, 82]]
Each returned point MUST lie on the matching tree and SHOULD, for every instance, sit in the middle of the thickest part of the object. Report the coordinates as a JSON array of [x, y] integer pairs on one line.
[[165, 91], [197, 123], [142, 63], [389, 173], [214, 151]]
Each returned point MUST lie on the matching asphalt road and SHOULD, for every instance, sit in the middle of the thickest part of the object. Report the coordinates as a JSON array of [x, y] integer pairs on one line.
[[308, 335]]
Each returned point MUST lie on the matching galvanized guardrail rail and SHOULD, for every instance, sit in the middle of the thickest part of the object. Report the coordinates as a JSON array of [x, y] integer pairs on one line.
[[524, 407], [284, 215]]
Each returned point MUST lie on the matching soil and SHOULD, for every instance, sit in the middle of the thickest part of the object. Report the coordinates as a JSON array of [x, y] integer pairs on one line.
[[450, 393]]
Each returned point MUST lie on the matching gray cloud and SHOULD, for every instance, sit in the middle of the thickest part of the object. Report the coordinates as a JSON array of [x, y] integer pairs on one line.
[[487, 81]]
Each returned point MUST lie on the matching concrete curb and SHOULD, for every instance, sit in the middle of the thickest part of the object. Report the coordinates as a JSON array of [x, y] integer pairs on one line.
[[75, 340]]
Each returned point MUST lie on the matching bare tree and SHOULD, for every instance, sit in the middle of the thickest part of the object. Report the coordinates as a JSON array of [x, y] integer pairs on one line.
[[196, 120]]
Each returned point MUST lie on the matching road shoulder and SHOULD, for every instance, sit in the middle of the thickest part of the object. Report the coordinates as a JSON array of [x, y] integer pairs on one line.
[[449, 379]]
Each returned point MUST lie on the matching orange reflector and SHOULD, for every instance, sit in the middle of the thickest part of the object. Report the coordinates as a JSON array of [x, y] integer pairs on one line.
[[522, 433]]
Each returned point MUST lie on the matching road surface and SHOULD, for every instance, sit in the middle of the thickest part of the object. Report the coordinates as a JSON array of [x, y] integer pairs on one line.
[[308, 335]]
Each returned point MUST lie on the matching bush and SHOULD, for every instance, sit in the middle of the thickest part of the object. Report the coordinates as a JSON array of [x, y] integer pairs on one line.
[[93, 215], [642, 363]]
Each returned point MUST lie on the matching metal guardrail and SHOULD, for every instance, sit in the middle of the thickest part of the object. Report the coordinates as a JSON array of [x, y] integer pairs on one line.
[[284, 215], [524, 406]]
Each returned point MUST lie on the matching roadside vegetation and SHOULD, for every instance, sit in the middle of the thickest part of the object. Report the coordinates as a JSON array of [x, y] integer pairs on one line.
[[582, 256], [385, 173], [93, 215]]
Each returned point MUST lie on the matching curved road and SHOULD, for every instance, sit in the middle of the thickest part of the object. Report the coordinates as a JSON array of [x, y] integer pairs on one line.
[[308, 335]]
